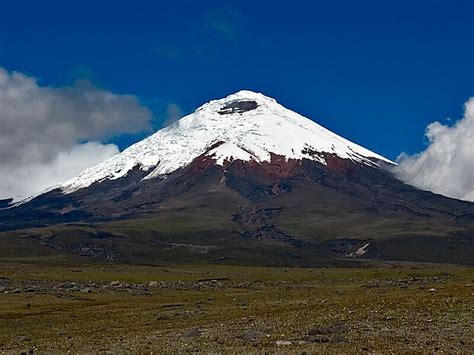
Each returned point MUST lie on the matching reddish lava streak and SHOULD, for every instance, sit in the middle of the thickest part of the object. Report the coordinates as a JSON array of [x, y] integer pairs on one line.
[[279, 167]]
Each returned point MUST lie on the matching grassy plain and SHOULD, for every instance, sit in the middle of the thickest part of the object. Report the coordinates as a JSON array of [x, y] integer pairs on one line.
[[62, 304]]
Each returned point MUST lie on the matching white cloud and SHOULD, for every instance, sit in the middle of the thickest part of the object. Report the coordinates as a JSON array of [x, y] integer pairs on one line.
[[447, 165], [29, 179], [43, 130]]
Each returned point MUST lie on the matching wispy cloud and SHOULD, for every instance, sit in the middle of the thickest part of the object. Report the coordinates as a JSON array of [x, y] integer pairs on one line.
[[225, 20], [173, 113], [218, 27]]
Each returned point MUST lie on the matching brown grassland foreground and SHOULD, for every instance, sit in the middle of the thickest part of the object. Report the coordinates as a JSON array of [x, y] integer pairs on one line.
[[58, 305]]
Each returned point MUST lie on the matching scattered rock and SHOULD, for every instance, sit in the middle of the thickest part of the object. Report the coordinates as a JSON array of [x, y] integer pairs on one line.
[[432, 290], [114, 283], [86, 290], [192, 333], [23, 338], [338, 339], [183, 314], [153, 284], [317, 339], [283, 343], [172, 305], [333, 329], [422, 281], [252, 335], [4, 279]]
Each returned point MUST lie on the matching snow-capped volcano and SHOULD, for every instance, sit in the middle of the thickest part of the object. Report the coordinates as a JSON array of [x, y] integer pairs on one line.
[[244, 126], [244, 180]]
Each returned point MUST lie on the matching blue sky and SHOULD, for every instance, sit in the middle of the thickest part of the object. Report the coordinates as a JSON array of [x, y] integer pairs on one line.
[[376, 72]]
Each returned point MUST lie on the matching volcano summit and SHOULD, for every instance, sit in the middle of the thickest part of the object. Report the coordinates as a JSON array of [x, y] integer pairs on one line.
[[245, 126]]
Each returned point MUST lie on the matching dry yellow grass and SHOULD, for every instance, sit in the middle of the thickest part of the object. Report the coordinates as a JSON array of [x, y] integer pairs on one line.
[[245, 309]]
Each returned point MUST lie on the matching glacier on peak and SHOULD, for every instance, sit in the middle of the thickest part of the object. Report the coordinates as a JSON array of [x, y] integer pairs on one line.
[[250, 125]]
